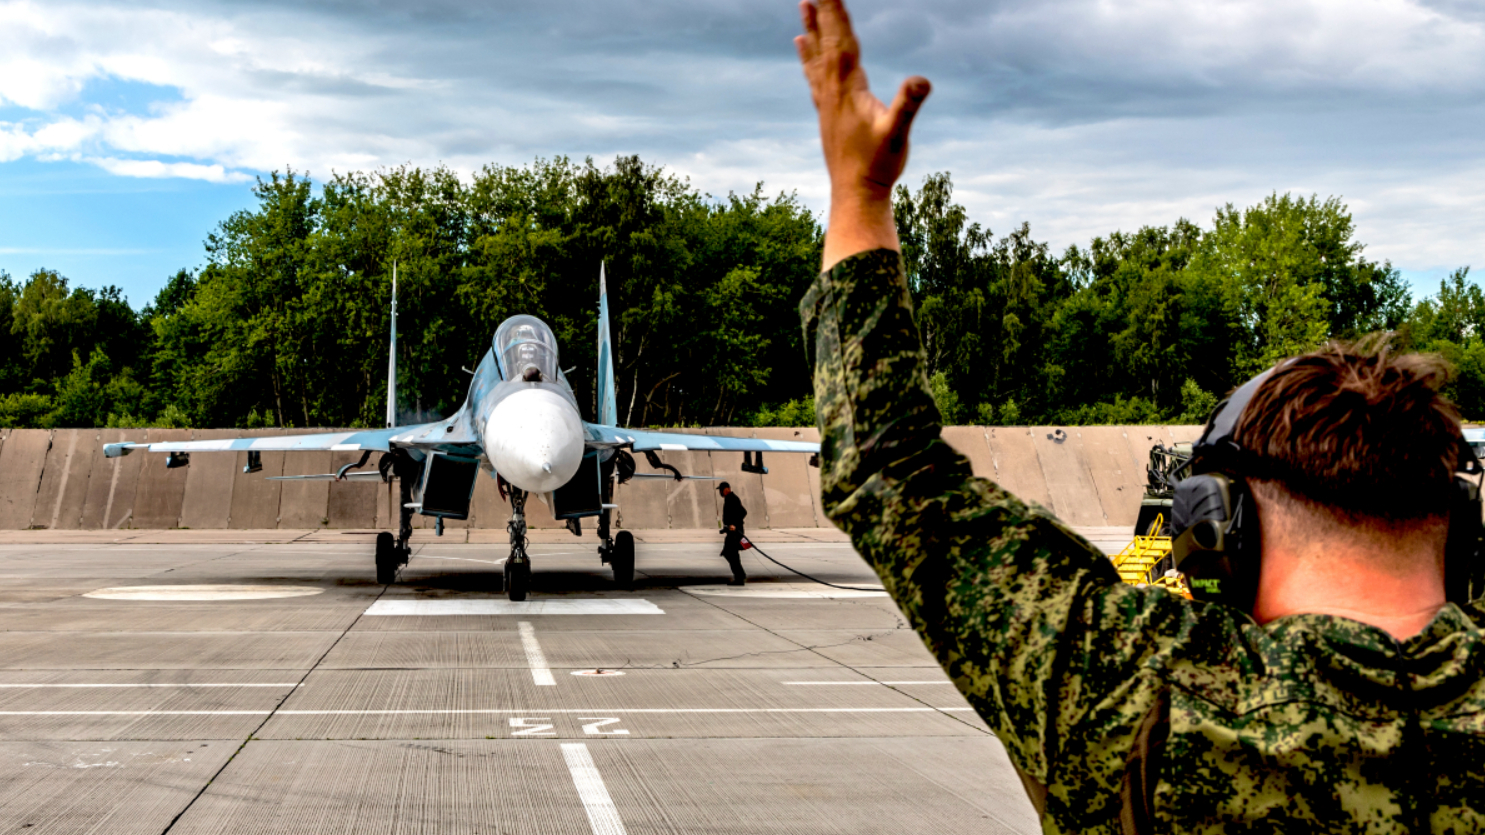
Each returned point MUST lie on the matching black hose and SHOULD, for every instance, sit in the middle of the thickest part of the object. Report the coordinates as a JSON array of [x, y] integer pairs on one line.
[[806, 576]]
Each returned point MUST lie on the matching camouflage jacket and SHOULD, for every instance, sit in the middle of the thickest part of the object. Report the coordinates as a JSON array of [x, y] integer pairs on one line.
[[1127, 709]]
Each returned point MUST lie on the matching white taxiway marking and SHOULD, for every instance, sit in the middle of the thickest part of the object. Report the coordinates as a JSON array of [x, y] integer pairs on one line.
[[940, 682], [198, 593], [540, 672], [782, 591], [617, 606], [603, 815], [182, 684], [500, 561], [478, 711]]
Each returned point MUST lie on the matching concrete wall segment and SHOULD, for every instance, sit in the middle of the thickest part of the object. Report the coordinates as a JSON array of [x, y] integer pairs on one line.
[[207, 504], [112, 483], [1017, 467], [255, 499], [1065, 465], [643, 502], [487, 510], [727, 466], [970, 442], [161, 492], [22, 460], [690, 504], [786, 488], [64, 479], [351, 504], [1119, 479], [1184, 434], [304, 505]]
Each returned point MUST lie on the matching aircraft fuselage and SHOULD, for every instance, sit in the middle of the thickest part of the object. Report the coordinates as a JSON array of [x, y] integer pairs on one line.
[[523, 409]]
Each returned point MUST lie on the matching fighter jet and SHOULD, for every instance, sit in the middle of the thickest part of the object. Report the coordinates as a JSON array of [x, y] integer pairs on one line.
[[520, 425]]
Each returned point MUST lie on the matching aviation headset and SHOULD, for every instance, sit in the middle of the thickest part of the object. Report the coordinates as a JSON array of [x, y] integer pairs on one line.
[[1216, 543]]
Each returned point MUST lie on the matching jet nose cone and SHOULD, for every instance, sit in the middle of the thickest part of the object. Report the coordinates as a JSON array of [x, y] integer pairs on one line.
[[535, 440]]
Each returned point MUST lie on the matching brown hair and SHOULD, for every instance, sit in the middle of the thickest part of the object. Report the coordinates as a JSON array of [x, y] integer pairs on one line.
[[1357, 430]]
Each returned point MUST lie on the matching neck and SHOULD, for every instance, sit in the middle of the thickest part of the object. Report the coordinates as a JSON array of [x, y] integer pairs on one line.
[[1391, 579]]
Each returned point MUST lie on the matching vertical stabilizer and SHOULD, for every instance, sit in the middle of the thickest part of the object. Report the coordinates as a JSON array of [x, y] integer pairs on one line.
[[392, 358], [608, 408]]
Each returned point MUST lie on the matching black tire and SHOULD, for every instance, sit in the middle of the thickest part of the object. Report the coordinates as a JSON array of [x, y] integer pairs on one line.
[[387, 561], [622, 560], [517, 580]]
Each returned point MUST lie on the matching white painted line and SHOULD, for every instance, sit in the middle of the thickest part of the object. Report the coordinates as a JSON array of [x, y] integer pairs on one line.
[[202, 593], [857, 684], [492, 711], [603, 815], [500, 561], [588, 606], [540, 672], [781, 591], [183, 684]]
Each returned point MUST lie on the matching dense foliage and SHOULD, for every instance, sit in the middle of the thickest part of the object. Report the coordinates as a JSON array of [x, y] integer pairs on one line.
[[287, 323]]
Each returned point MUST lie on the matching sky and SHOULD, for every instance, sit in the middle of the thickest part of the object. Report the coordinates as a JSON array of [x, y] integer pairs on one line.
[[129, 130]]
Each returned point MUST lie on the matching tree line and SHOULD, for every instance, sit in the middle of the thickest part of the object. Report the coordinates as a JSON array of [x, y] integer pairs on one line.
[[287, 322]]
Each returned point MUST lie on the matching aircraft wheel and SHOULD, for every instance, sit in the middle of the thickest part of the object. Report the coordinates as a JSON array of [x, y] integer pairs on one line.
[[622, 560], [517, 580], [387, 559]]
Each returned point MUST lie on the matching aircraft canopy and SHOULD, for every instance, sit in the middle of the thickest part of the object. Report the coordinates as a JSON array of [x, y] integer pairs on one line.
[[524, 343]]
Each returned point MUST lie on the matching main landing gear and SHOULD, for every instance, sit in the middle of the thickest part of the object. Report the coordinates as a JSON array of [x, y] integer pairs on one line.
[[392, 553], [518, 564], [616, 551]]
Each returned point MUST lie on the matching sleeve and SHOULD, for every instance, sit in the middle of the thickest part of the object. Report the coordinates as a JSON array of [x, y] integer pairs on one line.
[[1028, 619]]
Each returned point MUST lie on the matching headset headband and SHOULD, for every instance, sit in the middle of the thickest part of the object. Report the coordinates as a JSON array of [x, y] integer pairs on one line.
[[1218, 441]]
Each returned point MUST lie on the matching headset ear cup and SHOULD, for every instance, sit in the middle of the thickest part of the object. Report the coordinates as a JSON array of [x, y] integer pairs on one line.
[[1216, 542], [1464, 563]]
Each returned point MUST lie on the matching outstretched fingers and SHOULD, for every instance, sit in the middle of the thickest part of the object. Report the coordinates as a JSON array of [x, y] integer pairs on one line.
[[832, 20], [904, 107], [807, 16]]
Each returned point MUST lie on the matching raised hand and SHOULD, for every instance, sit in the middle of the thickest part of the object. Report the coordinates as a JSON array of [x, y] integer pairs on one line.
[[865, 141]]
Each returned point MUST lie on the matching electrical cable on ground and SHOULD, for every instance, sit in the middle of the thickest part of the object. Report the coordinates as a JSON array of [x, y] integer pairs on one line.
[[806, 576]]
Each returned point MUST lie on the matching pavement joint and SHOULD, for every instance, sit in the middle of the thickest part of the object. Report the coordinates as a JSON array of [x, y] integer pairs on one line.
[[266, 719], [815, 649]]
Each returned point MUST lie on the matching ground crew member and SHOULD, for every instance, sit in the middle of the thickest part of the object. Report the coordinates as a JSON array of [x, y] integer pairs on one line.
[[733, 514], [1349, 699]]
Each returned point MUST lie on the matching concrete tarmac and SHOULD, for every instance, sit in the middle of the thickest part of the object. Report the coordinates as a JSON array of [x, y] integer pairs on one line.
[[217, 704]]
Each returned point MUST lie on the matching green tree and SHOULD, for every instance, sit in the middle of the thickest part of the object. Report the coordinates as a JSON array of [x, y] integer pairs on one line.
[[1274, 263]]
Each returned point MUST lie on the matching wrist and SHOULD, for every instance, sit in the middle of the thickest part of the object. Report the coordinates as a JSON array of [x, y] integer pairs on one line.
[[861, 196], [860, 221]]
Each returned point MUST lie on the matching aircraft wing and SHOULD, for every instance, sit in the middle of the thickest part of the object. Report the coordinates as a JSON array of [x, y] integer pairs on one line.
[[644, 440], [427, 435]]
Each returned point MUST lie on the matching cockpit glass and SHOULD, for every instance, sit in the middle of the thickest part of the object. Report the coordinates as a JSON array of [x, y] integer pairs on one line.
[[527, 350]]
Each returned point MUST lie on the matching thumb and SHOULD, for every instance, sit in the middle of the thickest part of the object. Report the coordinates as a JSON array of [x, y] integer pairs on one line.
[[904, 107]]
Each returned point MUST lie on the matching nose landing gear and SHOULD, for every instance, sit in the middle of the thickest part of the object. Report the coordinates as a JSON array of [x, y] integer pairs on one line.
[[518, 564]]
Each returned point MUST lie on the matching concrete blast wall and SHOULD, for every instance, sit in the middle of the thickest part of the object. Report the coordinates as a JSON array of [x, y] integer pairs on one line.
[[58, 479]]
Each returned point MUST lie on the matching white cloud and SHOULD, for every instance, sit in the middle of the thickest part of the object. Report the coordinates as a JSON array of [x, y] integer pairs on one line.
[[1080, 116], [157, 169]]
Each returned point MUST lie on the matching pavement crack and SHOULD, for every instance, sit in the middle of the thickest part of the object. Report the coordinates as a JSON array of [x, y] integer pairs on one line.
[[937, 709], [272, 713]]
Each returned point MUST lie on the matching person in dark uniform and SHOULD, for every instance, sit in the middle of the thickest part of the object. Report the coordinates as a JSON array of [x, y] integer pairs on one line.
[[733, 514]]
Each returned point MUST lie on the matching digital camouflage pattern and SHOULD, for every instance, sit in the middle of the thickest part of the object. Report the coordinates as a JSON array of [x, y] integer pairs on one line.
[[1127, 709]]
